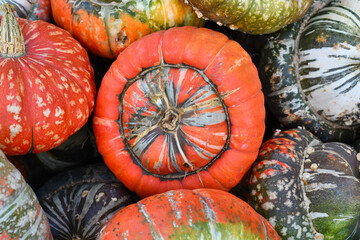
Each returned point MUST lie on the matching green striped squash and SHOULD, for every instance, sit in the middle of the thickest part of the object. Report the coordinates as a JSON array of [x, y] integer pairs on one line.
[[21, 216], [305, 188], [251, 16], [31, 9], [310, 71], [79, 201]]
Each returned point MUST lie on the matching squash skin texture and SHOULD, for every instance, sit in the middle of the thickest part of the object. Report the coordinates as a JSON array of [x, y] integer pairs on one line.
[[188, 214], [92, 193], [105, 29], [21, 216], [233, 111], [32, 10], [251, 16], [309, 72], [305, 188], [47, 94]]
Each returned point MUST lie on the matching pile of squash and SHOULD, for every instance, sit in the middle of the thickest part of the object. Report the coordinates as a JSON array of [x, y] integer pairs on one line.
[[179, 119]]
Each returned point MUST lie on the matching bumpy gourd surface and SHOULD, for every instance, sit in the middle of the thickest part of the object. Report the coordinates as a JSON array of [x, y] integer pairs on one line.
[[305, 188], [252, 16]]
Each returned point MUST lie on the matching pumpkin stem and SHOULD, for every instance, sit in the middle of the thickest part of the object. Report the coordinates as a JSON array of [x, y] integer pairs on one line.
[[12, 42], [170, 120]]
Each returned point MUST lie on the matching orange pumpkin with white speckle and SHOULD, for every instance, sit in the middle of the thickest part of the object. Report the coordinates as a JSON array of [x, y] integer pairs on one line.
[[47, 89]]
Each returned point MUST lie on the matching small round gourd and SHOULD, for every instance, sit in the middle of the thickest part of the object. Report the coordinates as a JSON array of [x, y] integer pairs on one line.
[[305, 188], [310, 71], [21, 216]]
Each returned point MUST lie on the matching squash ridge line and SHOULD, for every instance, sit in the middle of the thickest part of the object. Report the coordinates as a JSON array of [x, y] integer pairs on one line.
[[307, 201]]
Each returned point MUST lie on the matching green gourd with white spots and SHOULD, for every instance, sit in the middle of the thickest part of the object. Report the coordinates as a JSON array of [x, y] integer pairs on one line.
[[310, 71], [305, 188]]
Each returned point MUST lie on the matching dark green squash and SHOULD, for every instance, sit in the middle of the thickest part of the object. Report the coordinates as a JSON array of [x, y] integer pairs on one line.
[[310, 71], [79, 201], [78, 149], [356, 145], [305, 188]]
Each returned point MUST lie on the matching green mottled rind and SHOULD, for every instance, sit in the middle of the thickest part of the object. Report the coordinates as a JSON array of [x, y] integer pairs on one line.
[[144, 10], [252, 16], [303, 201], [208, 230], [341, 201], [21, 216], [289, 78]]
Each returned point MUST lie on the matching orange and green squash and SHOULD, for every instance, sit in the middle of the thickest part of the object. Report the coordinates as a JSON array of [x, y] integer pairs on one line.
[[188, 116], [305, 188], [188, 214], [105, 28]]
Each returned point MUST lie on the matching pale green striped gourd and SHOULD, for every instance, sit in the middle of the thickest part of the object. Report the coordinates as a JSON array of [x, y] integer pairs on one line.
[[21, 216], [311, 70]]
